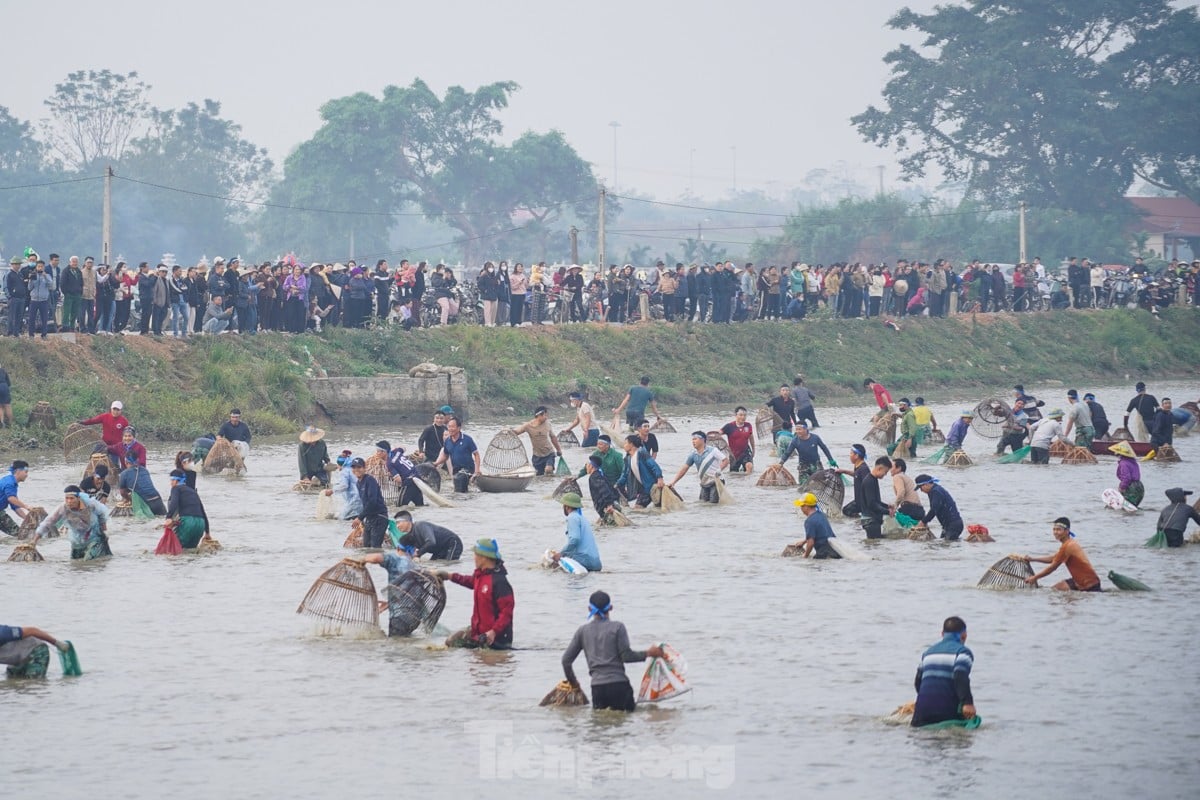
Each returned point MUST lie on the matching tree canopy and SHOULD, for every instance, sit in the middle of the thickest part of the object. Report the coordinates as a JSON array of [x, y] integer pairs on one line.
[[1062, 104]]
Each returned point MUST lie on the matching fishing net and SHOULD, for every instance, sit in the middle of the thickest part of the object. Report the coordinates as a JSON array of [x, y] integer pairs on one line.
[[920, 533], [935, 437], [978, 533], [765, 423], [776, 475], [1126, 583], [344, 593], [431, 476], [665, 677], [33, 518], [141, 509], [717, 440], [306, 486], [376, 465], [43, 416], [1079, 455], [80, 441], [900, 449], [1167, 453], [564, 694], [122, 508], [724, 496], [568, 439], [616, 519], [1016, 456], [566, 486], [1058, 448], [561, 468], [25, 553], [783, 440], [97, 458], [354, 539], [959, 458], [1158, 541], [169, 544], [938, 456], [666, 499], [793, 551], [883, 431], [991, 416], [1007, 573], [325, 506], [505, 454], [417, 600], [829, 490], [68, 660], [222, 456], [662, 425], [1121, 435]]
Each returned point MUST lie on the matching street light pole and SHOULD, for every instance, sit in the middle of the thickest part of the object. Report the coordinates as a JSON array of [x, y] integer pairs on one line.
[[614, 125], [734, 149]]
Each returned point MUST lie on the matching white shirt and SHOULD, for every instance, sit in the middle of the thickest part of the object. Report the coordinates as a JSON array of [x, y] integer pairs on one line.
[[1046, 432]]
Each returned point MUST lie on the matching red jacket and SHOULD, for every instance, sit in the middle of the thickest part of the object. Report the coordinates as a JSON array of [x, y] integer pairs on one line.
[[113, 427], [494, 603], [132, 456]]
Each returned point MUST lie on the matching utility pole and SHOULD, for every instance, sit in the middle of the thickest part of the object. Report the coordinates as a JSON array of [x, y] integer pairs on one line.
[[1021, 234], [574, 234], [600, 232], [614, 125], [351, 243], [106, 224], [692, 173], [880, 168]]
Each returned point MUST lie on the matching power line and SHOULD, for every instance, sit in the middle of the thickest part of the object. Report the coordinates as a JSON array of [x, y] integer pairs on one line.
[[698, 208], [53, 183]]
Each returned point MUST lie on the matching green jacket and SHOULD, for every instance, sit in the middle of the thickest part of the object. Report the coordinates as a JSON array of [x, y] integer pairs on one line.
[[612, 464]]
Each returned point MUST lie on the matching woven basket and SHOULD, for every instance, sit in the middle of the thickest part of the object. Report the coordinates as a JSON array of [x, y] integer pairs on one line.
[[354, 539], [920, 533], [1059, 448], [883, 431], [34, 517], [663, 425], [222, 456], [122, 508], [717, 440], [1167, 454], [829, 489], [43, 416], [96, 459], [566, 486], [377, 468], [567, 439], [764, 423], [344, 593], [27, 553], [564, 694], [80, 441], [793, 551], [505, 454], [307, 487], [978, 533], [1079, 455], [417, 600], [935, 437], [959, 458], [991, 416], [776, 475], [1007, 573]]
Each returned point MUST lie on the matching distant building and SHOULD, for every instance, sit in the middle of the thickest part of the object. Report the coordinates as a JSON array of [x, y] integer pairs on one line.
[[1168, 222]]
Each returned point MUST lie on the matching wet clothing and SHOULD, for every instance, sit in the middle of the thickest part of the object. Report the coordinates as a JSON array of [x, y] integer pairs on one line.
[[541, 437], [193, 521], [871, 507], [25, 656], [943, 681], [605, 644], [128, 455], [639, 398], [650, 445], [1161, 428], [1173, 519], [458, 453], [374, 513], [312, 457], [430, 442], [853, 508], [1145, 405], [494, 604], [1129, 479], [638, 476], [803, 398], [1071, 553], [8, 490], [346, 488], [741, 442], [943, 507], [602, 492], [400, 466], [87, 528], [612, 464], [785, 409], [137, 479], [581, 542], [808, 452], [1099, 419], [235, 433], [441, 543], [95, 487], [112, 428], [1081, 420], [818, 529], [957, 434]]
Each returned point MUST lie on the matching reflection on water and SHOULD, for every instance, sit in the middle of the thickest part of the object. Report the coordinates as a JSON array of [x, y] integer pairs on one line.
[[201, 680]]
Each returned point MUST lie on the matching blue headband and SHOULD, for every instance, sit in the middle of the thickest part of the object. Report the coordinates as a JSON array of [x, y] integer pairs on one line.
[[593, 611], [926, 483]]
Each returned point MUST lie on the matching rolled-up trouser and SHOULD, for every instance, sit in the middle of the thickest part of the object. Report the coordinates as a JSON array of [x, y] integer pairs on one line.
[[1013, 440], [374, 530], [541, 463], [952, 530], [708, 494]]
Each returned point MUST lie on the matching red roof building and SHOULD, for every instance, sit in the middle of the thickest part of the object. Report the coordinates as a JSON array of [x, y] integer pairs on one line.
[[1169, 222]]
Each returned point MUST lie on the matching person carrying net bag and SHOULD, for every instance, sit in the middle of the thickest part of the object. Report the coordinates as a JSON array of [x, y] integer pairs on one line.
[[605, 644], [709, 464]]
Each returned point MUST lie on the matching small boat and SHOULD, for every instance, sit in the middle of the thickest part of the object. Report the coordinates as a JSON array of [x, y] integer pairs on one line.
[[1100, 447], [503, 483]]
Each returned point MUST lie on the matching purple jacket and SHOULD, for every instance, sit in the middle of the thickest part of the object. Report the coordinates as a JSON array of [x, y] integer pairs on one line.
[[1128, 471]]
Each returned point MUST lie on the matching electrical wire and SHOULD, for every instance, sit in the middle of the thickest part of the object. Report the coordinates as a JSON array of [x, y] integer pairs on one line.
[[53, 183]]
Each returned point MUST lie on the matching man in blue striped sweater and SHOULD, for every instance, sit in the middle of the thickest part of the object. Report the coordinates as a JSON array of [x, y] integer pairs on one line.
[[944, 678]]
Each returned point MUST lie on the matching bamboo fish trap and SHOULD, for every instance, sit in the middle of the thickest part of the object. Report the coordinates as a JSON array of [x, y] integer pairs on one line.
[[667, 499], [991, 416], [883, 431], [80, 441], [978, 533], [830, 491], [34, 517], [959, 458], [1166, 453], [717, 440], [1079, 455], [43, 416], [776, 475], [417, 600], [935, 437], [1007, 573], [222, 456], [920, 533], [763, 423], [1059, 448], [96, 459], [793, 551], [505, 454], [1121, 434], [25, 553], [377, 468], [663, 425], [344, 594], [354, 539], [564, 694], [566, 486], [567, 438]]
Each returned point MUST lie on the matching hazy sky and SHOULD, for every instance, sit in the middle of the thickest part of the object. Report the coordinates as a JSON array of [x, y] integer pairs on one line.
[[688, 81]]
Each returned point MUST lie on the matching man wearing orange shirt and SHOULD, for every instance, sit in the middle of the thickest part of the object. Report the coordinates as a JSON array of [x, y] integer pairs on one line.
[[1083, 577]]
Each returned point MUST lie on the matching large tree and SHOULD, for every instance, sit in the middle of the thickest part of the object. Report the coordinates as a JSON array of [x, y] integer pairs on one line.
[[1059, 103], [95, 115]]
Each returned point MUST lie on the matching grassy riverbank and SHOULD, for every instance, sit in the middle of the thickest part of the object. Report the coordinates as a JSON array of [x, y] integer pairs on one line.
[[178, 389]]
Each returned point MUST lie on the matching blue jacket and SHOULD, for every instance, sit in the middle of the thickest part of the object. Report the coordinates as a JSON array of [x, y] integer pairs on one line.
[[581, 542], [373, 504], [8, 490], [942, 506], [943, 681], [648, 470]]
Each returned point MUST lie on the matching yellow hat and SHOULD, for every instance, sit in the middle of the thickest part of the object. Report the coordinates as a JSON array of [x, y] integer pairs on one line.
[[1122, 449], [806, 499]]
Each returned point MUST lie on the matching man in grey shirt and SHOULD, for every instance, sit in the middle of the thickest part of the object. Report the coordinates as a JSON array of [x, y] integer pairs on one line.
[[1079, 417], [425, 537], [605, 644]]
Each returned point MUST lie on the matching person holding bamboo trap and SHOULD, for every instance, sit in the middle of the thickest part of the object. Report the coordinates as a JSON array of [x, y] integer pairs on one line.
[[87, 525], [541, 437], [492, 615], [604, 642], [709, 463]]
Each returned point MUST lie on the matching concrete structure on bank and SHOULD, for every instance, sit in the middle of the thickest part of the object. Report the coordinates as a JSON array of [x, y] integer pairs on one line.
[[384, 398]]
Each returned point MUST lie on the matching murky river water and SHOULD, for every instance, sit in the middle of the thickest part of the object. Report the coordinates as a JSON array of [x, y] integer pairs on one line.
[[202, 681]]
